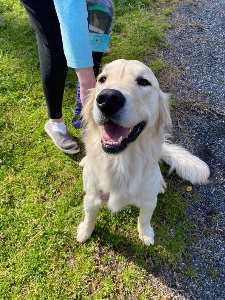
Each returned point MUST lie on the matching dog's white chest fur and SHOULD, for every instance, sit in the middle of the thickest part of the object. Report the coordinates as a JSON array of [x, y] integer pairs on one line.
[[128, 178]]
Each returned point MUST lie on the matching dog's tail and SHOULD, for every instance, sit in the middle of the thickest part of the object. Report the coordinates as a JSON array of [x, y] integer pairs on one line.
[[187, 166]]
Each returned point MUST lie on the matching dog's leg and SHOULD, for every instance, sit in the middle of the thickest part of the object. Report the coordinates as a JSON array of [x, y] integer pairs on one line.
[[91, 208], [146, 233], [163, 186]]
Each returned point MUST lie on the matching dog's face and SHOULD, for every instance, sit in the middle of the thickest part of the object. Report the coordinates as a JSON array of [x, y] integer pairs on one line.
[[127, 101]]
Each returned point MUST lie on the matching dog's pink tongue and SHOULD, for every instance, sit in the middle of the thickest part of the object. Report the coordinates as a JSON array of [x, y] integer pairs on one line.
[[112, 132]]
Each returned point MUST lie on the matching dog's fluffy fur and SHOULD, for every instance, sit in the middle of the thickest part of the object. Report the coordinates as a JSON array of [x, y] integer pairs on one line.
[[132, 176]]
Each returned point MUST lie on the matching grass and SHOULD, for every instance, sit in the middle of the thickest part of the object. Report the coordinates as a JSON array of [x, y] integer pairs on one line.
[[41, 188]]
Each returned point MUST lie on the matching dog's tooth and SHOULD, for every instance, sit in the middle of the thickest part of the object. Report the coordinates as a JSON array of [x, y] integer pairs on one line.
[[112, 143], [120, 139]]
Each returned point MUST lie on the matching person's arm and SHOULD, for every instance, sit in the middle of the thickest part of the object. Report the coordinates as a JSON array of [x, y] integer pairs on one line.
[[87, 81], [73, 19]]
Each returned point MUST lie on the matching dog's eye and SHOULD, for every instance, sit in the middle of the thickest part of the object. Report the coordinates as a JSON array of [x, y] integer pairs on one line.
[[102, 79], [143, 82]]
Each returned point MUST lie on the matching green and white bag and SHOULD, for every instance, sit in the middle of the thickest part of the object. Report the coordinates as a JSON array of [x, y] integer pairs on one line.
[[100, 19]]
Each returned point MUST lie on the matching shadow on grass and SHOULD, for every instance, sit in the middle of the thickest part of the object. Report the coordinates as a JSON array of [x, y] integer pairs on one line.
[[115, 232]]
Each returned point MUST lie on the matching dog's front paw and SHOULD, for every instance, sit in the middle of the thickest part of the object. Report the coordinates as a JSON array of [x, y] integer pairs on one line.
[[148, 240], [82, 162], [83, 232], [147, 235]]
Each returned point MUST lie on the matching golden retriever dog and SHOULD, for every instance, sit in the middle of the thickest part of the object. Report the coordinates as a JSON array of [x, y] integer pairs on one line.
[[127, 118]]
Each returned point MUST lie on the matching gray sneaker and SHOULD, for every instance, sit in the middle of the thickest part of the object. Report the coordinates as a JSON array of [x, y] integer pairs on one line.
[[65, 142]]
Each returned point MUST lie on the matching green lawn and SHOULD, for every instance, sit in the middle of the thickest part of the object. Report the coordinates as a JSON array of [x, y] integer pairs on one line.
[[41, 188]]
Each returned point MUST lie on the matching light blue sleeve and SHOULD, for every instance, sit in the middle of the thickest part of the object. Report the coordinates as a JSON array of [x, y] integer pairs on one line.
[[73, 19]]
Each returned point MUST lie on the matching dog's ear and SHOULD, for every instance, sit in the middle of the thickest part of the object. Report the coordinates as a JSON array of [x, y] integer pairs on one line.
[[164, 119]]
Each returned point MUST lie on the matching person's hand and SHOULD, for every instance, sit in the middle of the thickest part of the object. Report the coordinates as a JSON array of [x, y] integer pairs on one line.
[[87, 81]]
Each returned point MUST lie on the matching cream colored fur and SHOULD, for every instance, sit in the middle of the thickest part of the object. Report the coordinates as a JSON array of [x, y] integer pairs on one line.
[[132, 177]]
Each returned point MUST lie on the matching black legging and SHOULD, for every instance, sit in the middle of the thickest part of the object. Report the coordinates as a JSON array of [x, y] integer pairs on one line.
[[53, 63]]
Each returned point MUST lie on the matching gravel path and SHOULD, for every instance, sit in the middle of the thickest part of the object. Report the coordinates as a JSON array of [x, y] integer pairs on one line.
[[196, 80]]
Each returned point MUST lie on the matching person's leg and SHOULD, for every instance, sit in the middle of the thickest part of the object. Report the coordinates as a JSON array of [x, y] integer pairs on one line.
[[97, 58], [53, 66], [52, 59], [77, 120]]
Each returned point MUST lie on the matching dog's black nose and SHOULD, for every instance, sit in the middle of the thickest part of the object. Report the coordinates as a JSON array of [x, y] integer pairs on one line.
[[109, 101]]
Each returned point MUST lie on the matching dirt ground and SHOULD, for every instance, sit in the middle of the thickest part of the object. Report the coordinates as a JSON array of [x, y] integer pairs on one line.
[[195, 77]]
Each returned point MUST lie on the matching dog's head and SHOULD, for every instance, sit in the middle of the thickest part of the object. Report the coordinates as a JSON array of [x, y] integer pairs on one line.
[[127, 100]]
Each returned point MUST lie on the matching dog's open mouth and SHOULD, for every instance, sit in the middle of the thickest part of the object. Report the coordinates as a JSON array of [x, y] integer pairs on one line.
[[115, 138]]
